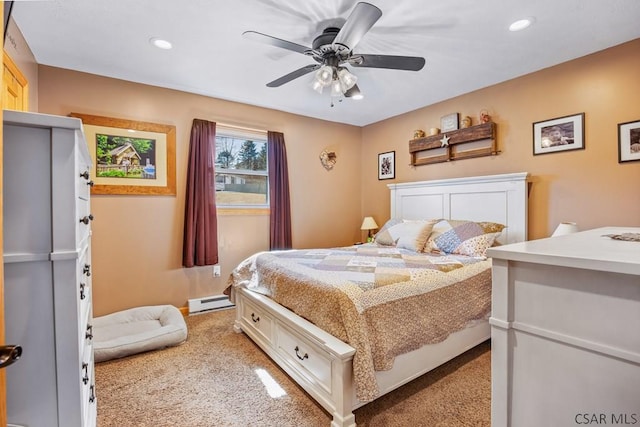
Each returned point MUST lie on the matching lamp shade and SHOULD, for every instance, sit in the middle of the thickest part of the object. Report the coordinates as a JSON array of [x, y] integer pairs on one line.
[[324, 75], [565, 228], [368, 223]]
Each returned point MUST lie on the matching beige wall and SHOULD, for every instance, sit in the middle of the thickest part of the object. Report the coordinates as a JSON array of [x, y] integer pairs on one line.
[[137, 240], [587, 186], [142, 266]]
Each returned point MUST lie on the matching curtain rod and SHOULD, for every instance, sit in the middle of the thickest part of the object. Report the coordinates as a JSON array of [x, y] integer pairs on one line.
[[242, 128]]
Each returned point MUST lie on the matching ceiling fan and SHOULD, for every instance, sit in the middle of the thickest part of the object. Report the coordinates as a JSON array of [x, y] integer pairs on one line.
[[333, 49]]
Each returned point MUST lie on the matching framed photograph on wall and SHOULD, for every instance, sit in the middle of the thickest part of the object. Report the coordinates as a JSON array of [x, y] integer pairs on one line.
[[561, 134], [629, 142], [449, 122], [130, 157], [387, 165]]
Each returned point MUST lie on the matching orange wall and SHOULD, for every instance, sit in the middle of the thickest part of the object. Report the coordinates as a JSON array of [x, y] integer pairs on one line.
[[137, 240], [142, 265], [587, 186]]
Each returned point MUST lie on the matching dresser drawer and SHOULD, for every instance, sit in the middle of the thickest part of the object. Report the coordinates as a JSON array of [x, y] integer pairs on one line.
[[82, 180], [83, 220], [86, 336], [87, 377], [84, 289], [258, 321], [309, 360]]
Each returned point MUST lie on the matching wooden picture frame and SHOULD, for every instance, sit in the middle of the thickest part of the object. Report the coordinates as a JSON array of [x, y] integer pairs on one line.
[[560, 134], [387, 165], [629, 141], [130, 157]]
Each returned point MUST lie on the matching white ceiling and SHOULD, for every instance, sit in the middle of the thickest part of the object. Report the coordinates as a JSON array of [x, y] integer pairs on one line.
[[466, 45]]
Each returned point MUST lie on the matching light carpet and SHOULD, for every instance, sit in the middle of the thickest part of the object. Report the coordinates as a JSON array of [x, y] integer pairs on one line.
[[213, 380]]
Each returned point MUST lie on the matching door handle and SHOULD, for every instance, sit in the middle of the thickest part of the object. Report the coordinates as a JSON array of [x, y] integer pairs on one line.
[[9, 354]]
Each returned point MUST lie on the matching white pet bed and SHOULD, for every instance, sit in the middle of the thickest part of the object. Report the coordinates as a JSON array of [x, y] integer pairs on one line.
[[136, 330]]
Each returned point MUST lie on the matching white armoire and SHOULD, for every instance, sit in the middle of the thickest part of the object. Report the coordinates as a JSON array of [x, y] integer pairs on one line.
[[47, 271]]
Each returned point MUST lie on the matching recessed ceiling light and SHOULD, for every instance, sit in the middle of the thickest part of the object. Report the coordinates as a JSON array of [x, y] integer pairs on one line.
[[160, 43], [521, 24]]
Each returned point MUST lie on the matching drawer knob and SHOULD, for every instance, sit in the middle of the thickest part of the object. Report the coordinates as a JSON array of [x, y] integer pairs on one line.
[[86, 270], [306, 356], [90, 183], [85, 368], [85, 220], [85, 175], [255, 318], [92, 394], [89, 334], [82, 295]]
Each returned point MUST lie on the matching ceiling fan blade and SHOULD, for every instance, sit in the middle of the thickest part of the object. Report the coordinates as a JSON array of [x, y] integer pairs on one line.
[[409, 63], [293, 75], [274, 41], [362, 18], [353, 92]]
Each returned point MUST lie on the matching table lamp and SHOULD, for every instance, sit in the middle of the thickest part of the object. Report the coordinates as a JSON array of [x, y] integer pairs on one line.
[[369, 224], [565, 228]]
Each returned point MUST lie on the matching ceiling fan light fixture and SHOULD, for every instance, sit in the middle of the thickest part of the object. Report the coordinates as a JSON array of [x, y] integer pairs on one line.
[[336, 88], [347, 79], [317, 86], [324, 75]]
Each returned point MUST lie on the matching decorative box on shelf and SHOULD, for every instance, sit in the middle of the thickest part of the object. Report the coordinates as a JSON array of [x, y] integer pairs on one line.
[[474, 141]]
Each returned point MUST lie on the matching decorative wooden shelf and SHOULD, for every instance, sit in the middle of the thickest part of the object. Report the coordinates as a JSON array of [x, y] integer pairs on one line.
[[474, 141]]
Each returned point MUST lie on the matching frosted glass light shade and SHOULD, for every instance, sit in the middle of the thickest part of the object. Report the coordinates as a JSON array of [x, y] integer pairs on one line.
[[565, 228], [324, 75], [347, 79], [336, 88], [317, 86]]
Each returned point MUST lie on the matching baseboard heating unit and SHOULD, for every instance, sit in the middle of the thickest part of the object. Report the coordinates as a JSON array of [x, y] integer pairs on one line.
[[212, 303]]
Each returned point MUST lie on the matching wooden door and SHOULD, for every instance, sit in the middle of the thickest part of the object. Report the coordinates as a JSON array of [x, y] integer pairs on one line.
[[15, 88], [3, 378]]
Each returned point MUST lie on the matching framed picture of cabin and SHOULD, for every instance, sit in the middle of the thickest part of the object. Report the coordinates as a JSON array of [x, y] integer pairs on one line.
[[130, 157]]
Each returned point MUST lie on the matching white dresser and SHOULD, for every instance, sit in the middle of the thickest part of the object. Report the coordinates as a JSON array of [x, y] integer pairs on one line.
[[47, 264], [565, 331]]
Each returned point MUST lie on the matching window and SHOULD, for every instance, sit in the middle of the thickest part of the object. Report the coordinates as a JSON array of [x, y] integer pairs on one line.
[[241, 168]]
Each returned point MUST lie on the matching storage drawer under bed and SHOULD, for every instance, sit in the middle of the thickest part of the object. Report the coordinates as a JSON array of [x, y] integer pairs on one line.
[[258, 320], [304, 356]]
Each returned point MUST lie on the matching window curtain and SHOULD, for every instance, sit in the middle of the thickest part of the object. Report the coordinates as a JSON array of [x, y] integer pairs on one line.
[[280, 220], [200, 246]]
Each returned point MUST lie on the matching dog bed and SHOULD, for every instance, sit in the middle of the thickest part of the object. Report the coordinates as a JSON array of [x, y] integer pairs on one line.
[[136, 330]]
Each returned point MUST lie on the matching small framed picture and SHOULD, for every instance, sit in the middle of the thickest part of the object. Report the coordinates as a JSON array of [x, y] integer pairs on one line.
[[561, 134], [449, 122], [629, 142], [387, 165]]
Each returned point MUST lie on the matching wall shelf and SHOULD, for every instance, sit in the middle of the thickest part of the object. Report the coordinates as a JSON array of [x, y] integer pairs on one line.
[[474, 141]]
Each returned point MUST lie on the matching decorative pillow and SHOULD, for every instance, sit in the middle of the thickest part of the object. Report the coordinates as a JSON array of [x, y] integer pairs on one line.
[[410, 235], [463, 237], [384, 237], [414, 234], [476, 246]]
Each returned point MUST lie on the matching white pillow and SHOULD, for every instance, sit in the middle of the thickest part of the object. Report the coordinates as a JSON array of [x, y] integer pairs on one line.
[[412, 235]]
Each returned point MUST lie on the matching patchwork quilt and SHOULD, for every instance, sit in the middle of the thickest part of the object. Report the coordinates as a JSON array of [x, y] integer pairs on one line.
[[383, 301]]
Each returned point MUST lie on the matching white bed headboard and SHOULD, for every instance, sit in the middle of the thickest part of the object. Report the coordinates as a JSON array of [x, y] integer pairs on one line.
[[496, 198]]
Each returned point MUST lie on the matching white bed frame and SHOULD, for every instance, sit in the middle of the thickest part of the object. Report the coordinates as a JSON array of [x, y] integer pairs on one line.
[[320, 363]]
